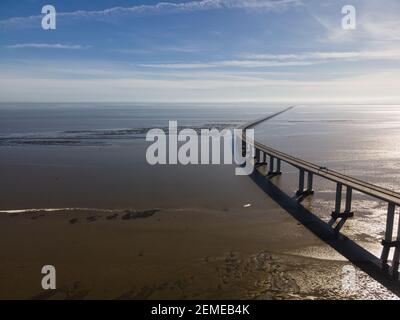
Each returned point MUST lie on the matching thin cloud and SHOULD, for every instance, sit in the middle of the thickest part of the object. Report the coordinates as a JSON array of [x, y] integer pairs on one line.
[[363, 87], [152, 49], [284, 60], [178, 65], [229, 64], [159, 8], [263, 63], [334, 55], [46, 46]]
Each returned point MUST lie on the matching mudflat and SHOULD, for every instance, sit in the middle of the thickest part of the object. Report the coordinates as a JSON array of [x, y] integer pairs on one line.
[[164, 254]]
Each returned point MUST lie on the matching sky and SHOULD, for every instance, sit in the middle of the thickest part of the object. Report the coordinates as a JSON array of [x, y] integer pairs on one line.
[[200, 51]]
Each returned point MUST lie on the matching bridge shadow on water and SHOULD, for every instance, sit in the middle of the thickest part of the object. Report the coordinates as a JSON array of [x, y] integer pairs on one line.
[[356, 254]]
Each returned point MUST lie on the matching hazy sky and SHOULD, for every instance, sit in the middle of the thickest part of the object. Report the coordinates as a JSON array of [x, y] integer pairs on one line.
[[206, 50]]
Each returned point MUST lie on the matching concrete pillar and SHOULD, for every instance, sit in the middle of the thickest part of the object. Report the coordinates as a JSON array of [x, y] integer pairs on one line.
[[310, 182], [388, 233], [396, 255], [278, 165], [338, 201], [257, 156], [349, 192], [271, 165], [301, 182]]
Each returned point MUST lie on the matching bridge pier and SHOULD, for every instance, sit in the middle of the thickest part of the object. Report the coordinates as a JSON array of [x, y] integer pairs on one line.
[[338, 203], [338, 200], [396, 255], [300, 190], [349, 192], [272, 171], [263, 157], [310, 183], [271, 165], [309, 190], [388, 242], [257, 156]]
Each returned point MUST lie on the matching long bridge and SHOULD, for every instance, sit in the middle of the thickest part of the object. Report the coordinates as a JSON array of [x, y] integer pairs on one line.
[[264, 155]]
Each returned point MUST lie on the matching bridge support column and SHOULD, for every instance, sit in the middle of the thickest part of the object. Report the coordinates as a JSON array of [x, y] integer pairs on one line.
[[338, 203], [396, 255], [272, 171], [263, 157], [338, 200], [310, 183], [387, 241], [347, 208], [260, 158], [300, 190], [271, 165], [257, 156], [278, 166]]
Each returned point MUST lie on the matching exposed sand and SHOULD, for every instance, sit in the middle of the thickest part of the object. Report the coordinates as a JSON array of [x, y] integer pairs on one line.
[[180, 254]]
